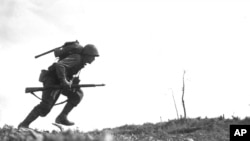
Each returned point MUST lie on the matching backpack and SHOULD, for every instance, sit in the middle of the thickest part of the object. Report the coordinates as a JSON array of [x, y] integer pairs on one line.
[[67, 49]]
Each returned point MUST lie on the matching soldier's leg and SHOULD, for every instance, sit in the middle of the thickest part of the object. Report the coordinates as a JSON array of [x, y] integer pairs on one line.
[[49, 97], [74, 98], [33, 115], [48, 100]]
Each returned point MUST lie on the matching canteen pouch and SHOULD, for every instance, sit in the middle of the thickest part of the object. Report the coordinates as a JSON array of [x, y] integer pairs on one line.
[[43, 75]]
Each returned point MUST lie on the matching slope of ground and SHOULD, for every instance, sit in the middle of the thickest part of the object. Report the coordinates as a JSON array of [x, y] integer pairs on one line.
[[207, 129]]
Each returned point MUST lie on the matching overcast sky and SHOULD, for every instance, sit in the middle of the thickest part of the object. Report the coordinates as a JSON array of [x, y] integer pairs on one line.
[[144, 45]]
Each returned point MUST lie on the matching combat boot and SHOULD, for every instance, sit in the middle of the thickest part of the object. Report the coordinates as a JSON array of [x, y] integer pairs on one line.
[[62, 118], [33, 115]]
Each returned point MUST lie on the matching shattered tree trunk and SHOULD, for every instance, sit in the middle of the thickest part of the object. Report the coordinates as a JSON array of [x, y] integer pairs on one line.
[[175, 104], [183, 92]]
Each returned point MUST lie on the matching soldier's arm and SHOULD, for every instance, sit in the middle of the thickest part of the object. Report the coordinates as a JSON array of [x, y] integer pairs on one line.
[[63, 65]]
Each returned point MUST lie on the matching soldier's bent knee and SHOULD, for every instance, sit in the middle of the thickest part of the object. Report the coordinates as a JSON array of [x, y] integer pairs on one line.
[[75, 98], [43, 109]]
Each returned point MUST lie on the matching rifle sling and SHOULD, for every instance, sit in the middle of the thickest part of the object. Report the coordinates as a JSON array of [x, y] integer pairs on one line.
[[42, 100]]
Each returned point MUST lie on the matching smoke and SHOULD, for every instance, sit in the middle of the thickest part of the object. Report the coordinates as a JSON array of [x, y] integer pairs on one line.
[[8, 14], [59, 13], [17, 22], [108, 137], [2, 105], [23, 20]]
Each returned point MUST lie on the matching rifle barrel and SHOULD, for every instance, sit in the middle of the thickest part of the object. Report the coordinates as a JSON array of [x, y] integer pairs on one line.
[[37, 56], [34, 89], [87, 85]]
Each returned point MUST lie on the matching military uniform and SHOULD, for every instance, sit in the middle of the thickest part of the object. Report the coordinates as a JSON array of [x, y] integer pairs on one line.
[[64, 70]]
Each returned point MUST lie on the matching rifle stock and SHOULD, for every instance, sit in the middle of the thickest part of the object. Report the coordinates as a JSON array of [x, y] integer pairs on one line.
[[35, 89]]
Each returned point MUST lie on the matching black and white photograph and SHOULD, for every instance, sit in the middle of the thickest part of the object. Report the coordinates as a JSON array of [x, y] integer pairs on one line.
[[124, 70]]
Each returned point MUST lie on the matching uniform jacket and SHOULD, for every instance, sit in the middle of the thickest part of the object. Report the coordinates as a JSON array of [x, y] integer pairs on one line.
[[67, 67]]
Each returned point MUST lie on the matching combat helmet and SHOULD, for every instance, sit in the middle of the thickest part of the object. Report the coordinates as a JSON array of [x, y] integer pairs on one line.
[[90, 49]]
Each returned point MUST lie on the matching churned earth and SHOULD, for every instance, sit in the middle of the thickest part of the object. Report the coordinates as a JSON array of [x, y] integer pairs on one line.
[[195, 129]]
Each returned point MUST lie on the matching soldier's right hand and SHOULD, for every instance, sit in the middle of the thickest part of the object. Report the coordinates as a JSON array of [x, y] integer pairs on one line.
[[66, 84]]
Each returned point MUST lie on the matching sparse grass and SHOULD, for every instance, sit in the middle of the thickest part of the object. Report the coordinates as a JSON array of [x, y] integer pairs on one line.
[[196, 129]]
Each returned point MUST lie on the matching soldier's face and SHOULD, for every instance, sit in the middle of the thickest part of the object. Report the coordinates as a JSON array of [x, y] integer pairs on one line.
[[89, 59]]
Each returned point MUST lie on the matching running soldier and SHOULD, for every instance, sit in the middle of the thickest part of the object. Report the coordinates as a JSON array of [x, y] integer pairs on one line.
[[62, 73]]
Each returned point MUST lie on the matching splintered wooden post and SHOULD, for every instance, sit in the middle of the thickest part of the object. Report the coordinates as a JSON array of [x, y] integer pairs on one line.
[[183, 92], [175, 104], [58, 126]]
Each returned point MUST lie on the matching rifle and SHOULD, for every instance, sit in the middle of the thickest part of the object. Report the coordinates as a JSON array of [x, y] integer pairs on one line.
[[47, 52], [52, 50], [35, 89]]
